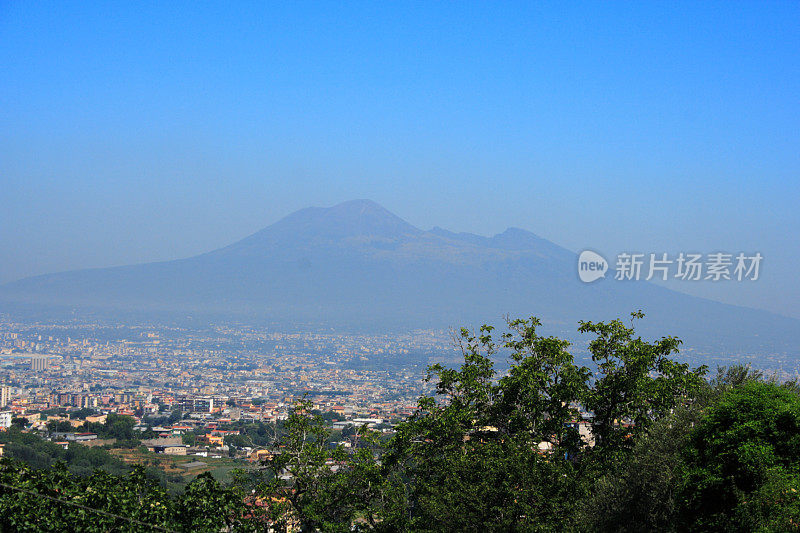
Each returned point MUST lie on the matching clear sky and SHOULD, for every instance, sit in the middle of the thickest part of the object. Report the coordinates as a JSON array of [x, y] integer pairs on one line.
[[134, 131]]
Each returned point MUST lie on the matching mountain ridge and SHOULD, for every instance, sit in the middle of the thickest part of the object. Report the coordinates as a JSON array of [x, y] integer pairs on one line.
[[357, 264]]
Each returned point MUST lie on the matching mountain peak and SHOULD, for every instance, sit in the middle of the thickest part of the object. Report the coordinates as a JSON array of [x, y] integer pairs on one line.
[[351, 219], [513, 238], [361, 205]]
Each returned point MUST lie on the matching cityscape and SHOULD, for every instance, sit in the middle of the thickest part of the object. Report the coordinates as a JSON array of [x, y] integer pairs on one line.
[[218, 374], [430, 267]]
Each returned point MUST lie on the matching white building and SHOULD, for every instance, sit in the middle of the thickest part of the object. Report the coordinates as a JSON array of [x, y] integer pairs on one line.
[[5, 419]]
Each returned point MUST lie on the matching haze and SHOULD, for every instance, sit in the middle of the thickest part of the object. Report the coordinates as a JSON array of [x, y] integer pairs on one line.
[[134, 133]]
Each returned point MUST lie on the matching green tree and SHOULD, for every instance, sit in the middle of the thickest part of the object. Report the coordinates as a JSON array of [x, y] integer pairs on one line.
[[637, 382], [52, 500], [60, 426], [206, 505], [472, 461], [743, 463], [118, 427], [82, 413], [175, 416], [540, 395], [314, 485], [638, 492], [239, 441], [299, 467], [505, 454]]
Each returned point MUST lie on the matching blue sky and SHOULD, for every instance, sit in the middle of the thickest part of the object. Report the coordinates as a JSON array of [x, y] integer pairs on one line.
[[133, 132]]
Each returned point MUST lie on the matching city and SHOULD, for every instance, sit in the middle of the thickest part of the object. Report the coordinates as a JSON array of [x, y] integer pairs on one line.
[[214, 376]]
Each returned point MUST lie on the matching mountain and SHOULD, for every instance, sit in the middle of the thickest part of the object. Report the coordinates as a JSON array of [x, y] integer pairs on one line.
[[356, 265]]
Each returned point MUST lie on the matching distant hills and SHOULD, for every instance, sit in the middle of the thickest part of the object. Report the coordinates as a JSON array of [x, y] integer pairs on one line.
[[358, 266]]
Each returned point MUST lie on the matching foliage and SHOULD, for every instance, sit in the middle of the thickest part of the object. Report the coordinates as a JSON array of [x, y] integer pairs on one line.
[[637, 492], [40, 453], [259, 433], [330, 416], [471, 461], [315, 485], [60, 426], [206, 505], [640, 443], [53, 500], [505, 454], [239, 441], [743, 463], [82, 413], [116, 426], [637, 383], [175, 416]]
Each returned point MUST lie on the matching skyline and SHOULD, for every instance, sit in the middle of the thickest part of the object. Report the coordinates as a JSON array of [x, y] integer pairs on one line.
[[139, 134]]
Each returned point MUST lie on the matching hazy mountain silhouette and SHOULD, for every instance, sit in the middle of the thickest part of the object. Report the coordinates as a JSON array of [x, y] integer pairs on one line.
[[360, 266]]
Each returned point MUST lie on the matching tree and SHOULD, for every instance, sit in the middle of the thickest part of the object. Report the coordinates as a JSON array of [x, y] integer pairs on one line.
[[119, 427], [53, 500], [314, 485], [59, 426], [484, 452], [637, 383], [175, 416], [743, 463], [238, 441], [638, 492], [331, 416], [206, 505], [82, 413], [472, 460], [299, 466], [540, 395]]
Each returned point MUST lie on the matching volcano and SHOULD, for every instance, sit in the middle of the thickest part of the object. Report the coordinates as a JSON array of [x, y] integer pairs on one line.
[[358, 266]]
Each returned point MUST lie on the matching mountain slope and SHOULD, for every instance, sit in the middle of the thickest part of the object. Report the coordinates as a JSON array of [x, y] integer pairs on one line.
[[360, 266]]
